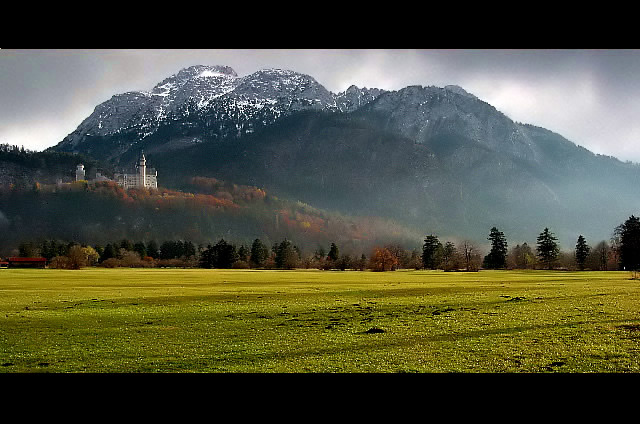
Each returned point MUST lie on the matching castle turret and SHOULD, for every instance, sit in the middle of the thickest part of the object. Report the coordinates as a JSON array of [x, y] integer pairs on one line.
[[80, 172], [140, 177], [142, 170]]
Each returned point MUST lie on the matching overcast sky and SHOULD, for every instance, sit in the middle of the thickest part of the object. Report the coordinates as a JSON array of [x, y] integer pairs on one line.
[[591, 97]]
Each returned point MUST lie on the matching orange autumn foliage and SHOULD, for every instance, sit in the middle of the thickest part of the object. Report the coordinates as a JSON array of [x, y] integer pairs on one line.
[[382, 260]]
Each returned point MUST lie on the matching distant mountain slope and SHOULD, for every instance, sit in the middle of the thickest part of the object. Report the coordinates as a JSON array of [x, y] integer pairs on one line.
[[433, 159]]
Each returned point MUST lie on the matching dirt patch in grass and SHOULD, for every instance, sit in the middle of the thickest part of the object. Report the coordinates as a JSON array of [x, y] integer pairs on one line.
[[513, 299], [442, 311], [630, 327], [553, 365]]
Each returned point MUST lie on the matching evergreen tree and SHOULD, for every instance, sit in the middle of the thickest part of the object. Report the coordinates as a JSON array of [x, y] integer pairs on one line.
[[259, 253], [547, 248], [449, 256], [153, 250], [630, 244], [126, 244], [140, 249], [334, 252], [224, 254], [207, 258], [99, 251], [362, 262], [497, 256], [286, 255], [176, 249], [28, 250], [431, 252], [50, 249], [170, 250], [582, 252], [344, 262], [220, 255], [109, 252], [243, 253], [188, 249]]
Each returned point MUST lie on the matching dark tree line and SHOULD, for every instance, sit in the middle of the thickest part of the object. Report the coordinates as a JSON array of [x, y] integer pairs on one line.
[[623, 253]]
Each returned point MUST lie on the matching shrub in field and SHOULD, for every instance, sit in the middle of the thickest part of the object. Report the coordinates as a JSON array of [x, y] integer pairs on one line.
[[111, 263], [132, 259], [240, 265], [59, 262], [78, 257], [176, 263]]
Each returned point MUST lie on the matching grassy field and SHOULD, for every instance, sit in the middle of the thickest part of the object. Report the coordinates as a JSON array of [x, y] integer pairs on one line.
[[196, 320]]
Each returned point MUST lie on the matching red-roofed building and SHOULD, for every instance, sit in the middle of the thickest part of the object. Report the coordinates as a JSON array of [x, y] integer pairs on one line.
[[16, 262]]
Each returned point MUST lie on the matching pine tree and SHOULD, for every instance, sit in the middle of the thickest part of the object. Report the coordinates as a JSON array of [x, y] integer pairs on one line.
[[259, 253], [334, 252], [225, 254], [287, 255], [189, 249], [497, 257], [582, 252], [152, 249], [431, 252], [140, 249], [449, 256], [547, 248], [126, 244], [243, 253], [630, 244], [207, 257]]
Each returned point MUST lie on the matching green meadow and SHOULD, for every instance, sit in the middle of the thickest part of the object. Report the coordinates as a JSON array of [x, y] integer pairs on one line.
[[121, 320]]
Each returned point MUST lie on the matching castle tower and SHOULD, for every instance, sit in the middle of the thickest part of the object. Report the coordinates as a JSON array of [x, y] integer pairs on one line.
[[142, 169], [80, 172]]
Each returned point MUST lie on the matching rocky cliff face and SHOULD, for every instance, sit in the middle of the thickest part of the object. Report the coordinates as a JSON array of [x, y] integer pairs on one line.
[[422, 113]]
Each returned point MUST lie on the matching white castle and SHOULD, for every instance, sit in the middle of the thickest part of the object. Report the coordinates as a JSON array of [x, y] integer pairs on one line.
[[80, 172], [141, 176]]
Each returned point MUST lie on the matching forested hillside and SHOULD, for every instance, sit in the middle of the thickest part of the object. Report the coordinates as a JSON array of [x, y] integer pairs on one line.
[[210, 210], [22, 168]]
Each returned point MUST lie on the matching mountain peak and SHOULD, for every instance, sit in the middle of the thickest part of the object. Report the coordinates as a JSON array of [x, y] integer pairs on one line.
[[195, 75], [207, 71], [459, 90]]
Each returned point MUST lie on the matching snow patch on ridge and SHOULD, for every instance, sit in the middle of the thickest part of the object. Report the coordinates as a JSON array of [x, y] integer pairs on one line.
[[209, 73]]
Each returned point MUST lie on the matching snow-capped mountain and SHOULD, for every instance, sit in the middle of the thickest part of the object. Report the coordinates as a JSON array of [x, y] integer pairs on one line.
[[213, 99]]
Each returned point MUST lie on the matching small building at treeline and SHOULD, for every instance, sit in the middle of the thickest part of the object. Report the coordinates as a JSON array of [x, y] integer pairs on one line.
[[16, 262]]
